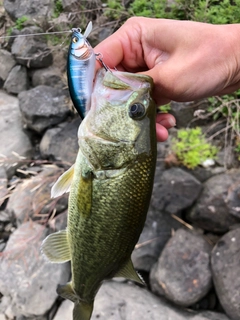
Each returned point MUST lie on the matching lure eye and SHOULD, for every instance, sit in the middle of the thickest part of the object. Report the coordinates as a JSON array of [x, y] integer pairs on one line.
[[136, 111], [74, 39]]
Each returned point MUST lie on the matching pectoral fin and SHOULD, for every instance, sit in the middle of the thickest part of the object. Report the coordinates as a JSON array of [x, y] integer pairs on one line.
[[55, 247], [63, 184], [130, 273]]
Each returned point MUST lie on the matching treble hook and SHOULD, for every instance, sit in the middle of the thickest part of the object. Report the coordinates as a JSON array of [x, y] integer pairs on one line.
[[99, 57]]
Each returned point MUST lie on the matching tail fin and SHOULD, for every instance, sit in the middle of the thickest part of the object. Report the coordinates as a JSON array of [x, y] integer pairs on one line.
[[82, 310]]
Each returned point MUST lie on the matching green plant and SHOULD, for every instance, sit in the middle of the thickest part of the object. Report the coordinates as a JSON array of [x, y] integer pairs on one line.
[[116, 11], [191, 147], [20, 22], [165, 108], [212, 11], [58, 9], [237, 149]]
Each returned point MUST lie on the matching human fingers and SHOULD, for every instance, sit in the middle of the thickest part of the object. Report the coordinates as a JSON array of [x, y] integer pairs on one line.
[[161, 133], [164, 121]]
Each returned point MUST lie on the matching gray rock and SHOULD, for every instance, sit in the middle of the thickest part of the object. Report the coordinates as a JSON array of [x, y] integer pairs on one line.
[[51, 77], [70, 5], [225, 263], [30, 8], [210, 315], [32, 51], [202, 174], [156, 232], [3, 185], [124, 301], [43, 107], [233, 200], [59, 222], [61, 143], [17, 80], [13, 138], [184, 112], [26, 276], [182, 273], [36, 192], [177, 190], [213, 209], [7, 62]]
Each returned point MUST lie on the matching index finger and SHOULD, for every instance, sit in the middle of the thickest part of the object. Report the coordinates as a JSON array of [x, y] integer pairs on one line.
[[111, 51]]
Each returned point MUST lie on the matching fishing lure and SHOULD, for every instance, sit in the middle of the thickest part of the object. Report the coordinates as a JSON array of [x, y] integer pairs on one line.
[[80, 70]]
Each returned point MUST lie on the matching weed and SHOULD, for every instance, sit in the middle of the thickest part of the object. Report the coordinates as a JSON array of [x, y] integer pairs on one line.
[[58, 9], [191, 147], [165, 108], [19, 25]]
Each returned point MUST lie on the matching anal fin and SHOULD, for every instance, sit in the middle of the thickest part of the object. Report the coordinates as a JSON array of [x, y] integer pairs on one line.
[[66, 292], [55, 247], [130, 273]]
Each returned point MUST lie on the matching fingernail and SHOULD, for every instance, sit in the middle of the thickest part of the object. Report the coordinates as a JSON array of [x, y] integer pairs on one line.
[[172, 122], [168, 122]]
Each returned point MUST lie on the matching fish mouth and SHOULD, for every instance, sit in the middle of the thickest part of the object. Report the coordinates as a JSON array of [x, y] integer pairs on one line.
[[125, 81]]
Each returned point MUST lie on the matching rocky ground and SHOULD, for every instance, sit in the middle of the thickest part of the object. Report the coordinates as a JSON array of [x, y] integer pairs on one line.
[[188, 252]]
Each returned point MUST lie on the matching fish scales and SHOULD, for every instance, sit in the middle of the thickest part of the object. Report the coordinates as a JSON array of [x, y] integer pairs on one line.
[[110, 238], [110, 188]]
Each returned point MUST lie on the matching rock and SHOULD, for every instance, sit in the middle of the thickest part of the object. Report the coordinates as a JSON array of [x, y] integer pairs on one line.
[[3, 186], [184, 112], [182, 272], [177, 190], [61, 143], [36, 192], [202, 174], [26, 275], [225, 263], [59, 222], [43, 107], [17, 80], [13, 138], [70, 5], [210, 315], [156, 232], [30, 8], [212, 211], [7, 62], [51, 77], [32, 51], [233, 199], [124, 301]]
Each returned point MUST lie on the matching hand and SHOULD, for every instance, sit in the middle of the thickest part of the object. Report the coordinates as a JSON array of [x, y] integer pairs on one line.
[[187, 60]]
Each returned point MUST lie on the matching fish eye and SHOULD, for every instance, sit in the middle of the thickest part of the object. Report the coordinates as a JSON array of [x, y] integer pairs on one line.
[[137, 111], [74, 39]]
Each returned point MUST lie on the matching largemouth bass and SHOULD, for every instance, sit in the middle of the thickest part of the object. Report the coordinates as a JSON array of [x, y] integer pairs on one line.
[[81, 69], [110, 188]]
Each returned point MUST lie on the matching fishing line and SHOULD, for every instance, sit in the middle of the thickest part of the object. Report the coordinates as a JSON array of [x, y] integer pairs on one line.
[[35, 34]]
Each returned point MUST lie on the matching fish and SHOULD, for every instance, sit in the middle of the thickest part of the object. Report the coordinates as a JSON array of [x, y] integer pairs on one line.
[[110, 188], [81, 70]]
